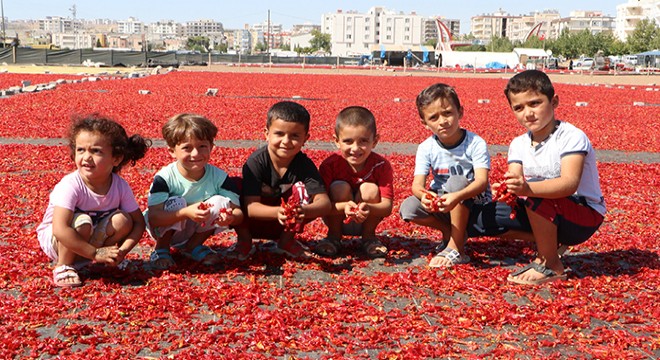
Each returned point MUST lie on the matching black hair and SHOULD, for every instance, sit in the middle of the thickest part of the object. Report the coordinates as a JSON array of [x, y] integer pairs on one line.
[[288, 111], [534, 80]]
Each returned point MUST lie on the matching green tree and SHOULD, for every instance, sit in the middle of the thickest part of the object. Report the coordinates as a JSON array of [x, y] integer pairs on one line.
[[320, 41], [285, 47], [645, 34], [499, 44], [222, 48], [431, 42], [260, 47], [198, 43]]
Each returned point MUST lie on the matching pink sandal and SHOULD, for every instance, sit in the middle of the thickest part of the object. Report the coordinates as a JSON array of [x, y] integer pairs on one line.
[[63, 273]]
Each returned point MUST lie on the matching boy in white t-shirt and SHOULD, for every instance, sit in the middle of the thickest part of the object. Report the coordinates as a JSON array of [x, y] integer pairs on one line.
[[552, 167]]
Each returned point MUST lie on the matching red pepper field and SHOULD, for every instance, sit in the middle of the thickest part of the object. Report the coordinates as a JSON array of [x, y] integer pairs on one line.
[[349, 306]]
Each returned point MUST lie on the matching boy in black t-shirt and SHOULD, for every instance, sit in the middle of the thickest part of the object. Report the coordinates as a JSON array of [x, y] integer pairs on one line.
[[277, 172]]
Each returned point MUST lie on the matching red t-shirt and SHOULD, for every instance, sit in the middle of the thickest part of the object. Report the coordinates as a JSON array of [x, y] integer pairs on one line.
[[376, 170]]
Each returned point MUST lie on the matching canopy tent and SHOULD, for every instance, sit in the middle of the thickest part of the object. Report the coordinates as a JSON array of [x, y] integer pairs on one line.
[[649, 58], [395, 54]]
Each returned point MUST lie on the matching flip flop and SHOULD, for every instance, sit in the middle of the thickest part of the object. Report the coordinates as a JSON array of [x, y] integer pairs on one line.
[[202, 254], [453, 256], [374, 248], [63, 273], [327, 247], [548, 275], [161, 254]]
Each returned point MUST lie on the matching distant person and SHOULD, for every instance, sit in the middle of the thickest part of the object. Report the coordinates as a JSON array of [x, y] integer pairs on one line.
[[553, 167], [92, 214], [570, 65], [190, 200], [282, 188], [359, 183]]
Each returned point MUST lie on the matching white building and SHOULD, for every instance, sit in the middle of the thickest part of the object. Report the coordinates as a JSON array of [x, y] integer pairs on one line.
[[74, 40], [353, 33], [485, 26], [57, 24], [166, 29], [203, 27], [130, 26], [242, 41], [628, 15], [594, 21]]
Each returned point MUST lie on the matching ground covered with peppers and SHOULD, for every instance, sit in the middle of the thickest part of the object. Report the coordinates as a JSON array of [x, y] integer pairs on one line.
[[343, 307]]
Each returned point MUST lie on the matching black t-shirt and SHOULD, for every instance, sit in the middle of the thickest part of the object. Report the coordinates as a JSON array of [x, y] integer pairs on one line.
[[261, 179]]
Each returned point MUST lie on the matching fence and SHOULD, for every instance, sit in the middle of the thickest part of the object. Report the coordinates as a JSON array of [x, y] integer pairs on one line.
[[18, 55]]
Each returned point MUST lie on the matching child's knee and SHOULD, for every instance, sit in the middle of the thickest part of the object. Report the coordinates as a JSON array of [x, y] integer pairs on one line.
[[340, 191], [369, 193]]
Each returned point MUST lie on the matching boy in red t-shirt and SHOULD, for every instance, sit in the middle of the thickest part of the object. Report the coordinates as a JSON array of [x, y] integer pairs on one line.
[[359, 183]]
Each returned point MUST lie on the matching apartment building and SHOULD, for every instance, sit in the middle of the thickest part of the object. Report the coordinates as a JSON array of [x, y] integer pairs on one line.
[[629, 14], [538, 23], [205, 27], [73, 40], [594, 21], [58, 24], [166, 29], [272, 33], [354, 33], [431, 27], [130, 26], [485, 26]]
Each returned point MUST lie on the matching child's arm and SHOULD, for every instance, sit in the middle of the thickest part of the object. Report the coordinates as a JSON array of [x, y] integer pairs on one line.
[[563, 186], [319, 206], [73, 241], [134, 236], [419, 190], [159, 217], [257, 210], [476, 187]]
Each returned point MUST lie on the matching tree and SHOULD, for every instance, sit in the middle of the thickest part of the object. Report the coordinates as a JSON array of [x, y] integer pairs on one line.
[[432, 42], [645, 34], [198, 43], [320, 41], [499, 44], [222, 48], [260, 47], [285, 47]]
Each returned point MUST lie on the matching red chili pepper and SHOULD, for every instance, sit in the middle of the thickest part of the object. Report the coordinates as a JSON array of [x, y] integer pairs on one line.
[[502, 194], [436, 201], [291, 211], [353, 210]]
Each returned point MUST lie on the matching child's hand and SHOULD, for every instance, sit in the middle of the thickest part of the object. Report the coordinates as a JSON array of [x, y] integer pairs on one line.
[[516, 184], [448, 202], [225, 217], [107, 255], [199, 212], [431, 202], [356, 212]]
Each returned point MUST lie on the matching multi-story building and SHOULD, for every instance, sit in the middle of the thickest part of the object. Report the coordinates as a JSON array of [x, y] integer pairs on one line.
[[485, 26], [431, 28], [130, 26], [594, 21], [242, 41], [166, 29], [304, 29], [272, 34], [205, 27], [57, 24], [628, 15], [538, 23], [354, 33], [73, 40]]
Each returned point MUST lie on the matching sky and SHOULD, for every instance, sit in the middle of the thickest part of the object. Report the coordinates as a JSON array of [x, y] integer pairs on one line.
[[234, 14]]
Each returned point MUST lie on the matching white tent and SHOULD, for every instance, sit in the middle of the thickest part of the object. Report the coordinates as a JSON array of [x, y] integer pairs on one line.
[[477, 59]]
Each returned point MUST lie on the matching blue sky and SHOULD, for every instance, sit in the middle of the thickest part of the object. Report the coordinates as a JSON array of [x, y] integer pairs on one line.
[[233, 14]]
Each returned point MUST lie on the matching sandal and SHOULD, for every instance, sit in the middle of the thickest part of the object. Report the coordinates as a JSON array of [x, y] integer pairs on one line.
[[548, 274], [454, 257], [374, 248], [203, 254], [63, 274], [327, 247], [233, 253], [162, 257], [302, 253]]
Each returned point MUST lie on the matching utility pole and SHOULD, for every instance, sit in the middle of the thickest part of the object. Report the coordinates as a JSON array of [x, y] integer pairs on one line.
[[2, 7], [268, 34]]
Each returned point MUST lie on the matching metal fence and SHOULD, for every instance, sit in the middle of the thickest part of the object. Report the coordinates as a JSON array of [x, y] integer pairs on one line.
[[18, 55]]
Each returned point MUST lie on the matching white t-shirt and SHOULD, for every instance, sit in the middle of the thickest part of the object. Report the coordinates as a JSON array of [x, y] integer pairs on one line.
[[456, 163], [543, 161]]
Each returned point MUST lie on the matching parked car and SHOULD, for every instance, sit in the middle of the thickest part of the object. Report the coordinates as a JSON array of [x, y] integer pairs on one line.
[[584, 64]]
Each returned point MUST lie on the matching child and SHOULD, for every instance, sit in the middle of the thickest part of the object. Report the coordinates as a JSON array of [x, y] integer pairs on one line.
[[359, 182], [190, 199], [92, 213], [278, 172], [459, 162], [554, 166]]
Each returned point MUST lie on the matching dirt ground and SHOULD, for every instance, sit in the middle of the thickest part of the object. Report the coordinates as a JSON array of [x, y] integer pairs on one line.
[[572, 77]]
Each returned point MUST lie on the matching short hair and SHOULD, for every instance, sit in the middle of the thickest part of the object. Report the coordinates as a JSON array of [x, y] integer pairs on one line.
[[131, 148], [530, 80], [355, 116], [182, 127], [288, 111], [433, 93]]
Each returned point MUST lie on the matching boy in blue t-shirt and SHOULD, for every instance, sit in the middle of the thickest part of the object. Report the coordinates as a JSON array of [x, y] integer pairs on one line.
[[458, 162]]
